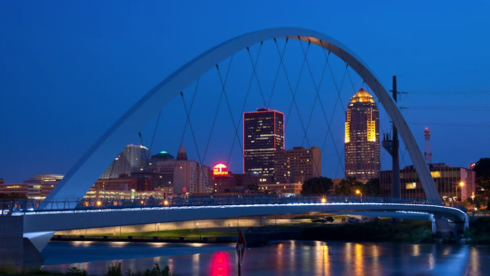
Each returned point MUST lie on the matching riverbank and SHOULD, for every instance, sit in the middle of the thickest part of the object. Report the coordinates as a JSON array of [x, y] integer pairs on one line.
[[384, 230]]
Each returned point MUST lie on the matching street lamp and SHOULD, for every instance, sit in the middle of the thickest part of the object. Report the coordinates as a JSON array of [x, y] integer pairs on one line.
[[358, 192], [460, 184]]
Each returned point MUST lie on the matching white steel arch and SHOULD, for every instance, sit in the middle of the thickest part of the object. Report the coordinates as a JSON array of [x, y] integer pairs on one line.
[[92, 164]]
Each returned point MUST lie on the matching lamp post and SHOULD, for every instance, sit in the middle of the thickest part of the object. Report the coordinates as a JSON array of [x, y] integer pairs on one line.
[[358, 192], [460, 184]]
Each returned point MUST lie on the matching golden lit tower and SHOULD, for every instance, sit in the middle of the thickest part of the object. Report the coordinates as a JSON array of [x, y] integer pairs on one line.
[[362, 149]]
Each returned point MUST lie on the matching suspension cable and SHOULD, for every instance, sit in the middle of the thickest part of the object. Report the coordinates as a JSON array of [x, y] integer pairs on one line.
[[278, 70], [188, 118], [229, 109], [217, 107], [317, 97], [293, 92], [243, 108], [254, 66]]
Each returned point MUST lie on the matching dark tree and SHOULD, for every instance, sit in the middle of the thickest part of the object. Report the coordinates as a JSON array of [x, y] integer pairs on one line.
[[348, 186], [253, 187], [318, 186], [482, 169], [372, 187]]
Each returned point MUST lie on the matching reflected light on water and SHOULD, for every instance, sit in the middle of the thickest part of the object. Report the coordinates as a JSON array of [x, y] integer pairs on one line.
[[359, 259], [82, 243], [416, 250], [326, 260], [119, 244], [375, 255], [432, 261], [475, 264], [220, 264], [195, 244]]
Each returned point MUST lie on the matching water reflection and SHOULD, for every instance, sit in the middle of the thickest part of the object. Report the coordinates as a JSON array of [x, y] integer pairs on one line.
[[220, 264], [293, 258]]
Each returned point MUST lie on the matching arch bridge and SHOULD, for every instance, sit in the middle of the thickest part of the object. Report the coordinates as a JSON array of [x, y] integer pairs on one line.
[[39, 223]]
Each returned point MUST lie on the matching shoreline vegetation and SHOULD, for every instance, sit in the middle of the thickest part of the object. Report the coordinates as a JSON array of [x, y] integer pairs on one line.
[[114, 269]]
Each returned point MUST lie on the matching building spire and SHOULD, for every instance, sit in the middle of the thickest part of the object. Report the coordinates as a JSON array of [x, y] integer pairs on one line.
[[182, 154]]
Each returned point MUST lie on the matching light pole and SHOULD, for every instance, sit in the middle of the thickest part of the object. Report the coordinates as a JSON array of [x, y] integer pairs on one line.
[[460, 184], [358, 192]]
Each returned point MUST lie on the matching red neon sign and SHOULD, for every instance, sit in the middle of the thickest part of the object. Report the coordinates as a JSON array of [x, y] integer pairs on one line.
[[220, 169]]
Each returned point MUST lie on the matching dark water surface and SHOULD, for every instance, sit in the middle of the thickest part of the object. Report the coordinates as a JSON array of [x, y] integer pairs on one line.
[[284, 258]]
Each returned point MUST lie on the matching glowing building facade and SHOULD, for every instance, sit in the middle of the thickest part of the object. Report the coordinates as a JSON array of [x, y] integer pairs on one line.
[[297, 165], [446, 178], [263, 135], [362, 147], [132, 159]]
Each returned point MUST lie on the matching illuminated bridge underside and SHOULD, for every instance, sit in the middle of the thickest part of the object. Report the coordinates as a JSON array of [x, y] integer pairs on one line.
[[69, 220], [87, 170]]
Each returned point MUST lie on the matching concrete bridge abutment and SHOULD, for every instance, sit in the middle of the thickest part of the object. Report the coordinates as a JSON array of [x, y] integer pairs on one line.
[[17, 254]]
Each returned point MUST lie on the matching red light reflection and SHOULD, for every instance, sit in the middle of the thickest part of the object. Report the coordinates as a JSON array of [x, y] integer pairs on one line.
[[220, 265]]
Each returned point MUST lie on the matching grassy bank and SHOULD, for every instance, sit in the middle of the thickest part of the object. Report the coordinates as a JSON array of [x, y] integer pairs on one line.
[[479, 231], [187, 233], [382, 230]]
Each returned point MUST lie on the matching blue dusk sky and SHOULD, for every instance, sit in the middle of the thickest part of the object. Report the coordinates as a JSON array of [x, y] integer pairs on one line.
[[70, 69]]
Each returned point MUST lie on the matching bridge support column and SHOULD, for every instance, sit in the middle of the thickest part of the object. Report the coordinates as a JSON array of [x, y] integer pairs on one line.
[[461, 227], [17, 253], [434, 227], [443, 228]]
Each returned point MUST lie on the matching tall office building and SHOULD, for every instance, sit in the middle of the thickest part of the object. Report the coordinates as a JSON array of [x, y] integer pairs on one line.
[[297, 165], [132, 159], [263, 135], [362, 148]]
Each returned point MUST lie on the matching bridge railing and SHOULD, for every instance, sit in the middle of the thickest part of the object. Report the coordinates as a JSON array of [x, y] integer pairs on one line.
[[23, 206]]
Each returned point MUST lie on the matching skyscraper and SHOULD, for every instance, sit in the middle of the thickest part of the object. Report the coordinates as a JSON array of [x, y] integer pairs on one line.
[[132, 159], [297, 165], [362, 148], [263, 135]]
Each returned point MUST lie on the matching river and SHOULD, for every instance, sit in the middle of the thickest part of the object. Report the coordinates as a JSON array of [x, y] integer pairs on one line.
[[282, 258]]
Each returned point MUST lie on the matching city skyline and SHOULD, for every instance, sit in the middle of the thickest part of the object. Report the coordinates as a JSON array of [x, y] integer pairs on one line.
[[163, 137], [55, 127]]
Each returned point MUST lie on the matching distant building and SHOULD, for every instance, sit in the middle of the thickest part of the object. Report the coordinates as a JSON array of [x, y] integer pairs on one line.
[[263, 135], [446, 178], [132, 159], [126, 188], [186, 176], [282, 189], [37, 187], [362, 147], [224, 181], [164, 163], [297, 165]]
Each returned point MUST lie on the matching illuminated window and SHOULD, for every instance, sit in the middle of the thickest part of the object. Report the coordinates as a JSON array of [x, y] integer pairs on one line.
[[436, 174], [411, 186]]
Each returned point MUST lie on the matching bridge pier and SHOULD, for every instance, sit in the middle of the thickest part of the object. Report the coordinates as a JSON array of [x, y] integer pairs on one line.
[[17, 253], [445, 228]]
